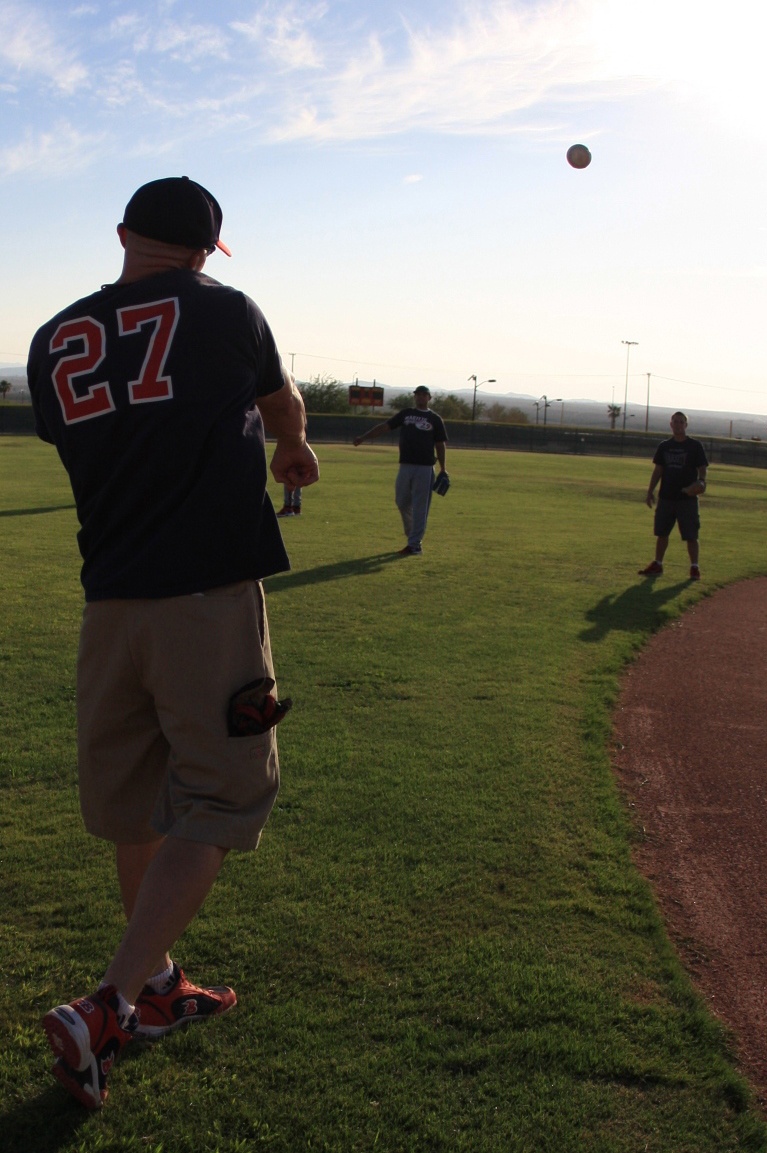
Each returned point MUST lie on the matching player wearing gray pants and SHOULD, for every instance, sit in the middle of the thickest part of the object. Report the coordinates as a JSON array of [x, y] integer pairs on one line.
[[422, 438], [412, 494]]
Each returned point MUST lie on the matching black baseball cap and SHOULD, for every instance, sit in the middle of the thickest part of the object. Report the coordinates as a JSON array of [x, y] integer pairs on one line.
[[423, 388], [176, 210]]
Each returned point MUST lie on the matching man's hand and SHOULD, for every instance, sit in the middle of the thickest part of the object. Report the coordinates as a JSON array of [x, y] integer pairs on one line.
[[696, 488], [294, 463], [655, 479]]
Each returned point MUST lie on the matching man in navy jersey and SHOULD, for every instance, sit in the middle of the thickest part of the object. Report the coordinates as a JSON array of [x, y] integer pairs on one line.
[[156, 391], [680, 466], [422, 439]]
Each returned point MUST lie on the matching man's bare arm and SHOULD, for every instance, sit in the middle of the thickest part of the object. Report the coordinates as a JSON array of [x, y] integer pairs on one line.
[[293, 463], [657, 473], [372, 433]]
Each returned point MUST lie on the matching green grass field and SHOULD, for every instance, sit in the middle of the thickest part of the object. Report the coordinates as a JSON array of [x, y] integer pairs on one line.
[[442, 943]]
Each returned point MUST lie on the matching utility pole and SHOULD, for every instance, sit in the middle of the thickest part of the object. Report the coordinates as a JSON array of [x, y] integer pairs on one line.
[[628, 344]]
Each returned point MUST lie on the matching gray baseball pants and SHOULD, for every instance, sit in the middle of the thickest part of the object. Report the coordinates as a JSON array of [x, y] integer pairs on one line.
[[412, 493]]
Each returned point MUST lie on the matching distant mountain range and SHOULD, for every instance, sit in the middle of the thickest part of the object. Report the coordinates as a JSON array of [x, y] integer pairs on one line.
[[571, 413]]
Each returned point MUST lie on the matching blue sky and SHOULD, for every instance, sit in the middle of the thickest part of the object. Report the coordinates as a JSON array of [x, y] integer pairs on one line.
[[394, 183]]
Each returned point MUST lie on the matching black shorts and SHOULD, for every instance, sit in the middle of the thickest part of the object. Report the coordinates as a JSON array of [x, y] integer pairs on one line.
[[681, 512]]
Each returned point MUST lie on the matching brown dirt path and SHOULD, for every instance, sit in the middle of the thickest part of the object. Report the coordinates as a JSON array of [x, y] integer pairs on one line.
[[691, 756]]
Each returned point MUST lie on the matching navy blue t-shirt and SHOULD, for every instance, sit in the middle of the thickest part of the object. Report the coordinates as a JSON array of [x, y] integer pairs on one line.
[[148, 392], [420, 429], [680, 460]]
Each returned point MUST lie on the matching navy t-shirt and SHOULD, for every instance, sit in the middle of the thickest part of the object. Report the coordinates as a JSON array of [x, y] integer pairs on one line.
[[420, 429], [147, 390], [680, 461]]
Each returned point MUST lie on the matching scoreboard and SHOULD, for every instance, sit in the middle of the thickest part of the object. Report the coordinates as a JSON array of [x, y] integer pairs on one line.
[[369, 395]]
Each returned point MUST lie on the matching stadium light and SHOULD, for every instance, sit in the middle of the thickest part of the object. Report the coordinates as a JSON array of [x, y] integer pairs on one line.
[[546, 405], [647, 409], [490, 380]]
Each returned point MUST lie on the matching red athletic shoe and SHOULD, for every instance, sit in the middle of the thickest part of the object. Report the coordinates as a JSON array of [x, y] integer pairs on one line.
[[694, 573], [86, 1037], [653, 569], [161, 1013], [286, 510]]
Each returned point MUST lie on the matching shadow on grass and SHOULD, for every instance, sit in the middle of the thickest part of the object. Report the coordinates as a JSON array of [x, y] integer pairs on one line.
[[363, 566], [35, 511], [52, 1119], [639, 607], [44, 1123]]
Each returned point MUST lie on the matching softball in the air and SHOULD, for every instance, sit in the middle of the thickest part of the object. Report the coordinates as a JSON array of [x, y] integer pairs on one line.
[[578, 156]]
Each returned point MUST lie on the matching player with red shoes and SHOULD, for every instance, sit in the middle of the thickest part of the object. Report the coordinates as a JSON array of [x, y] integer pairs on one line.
[[680, 465], [155, 391]]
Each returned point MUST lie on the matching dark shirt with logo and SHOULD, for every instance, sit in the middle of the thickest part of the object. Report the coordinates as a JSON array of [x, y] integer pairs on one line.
[[420, 429], [680, 461], [148, 392]]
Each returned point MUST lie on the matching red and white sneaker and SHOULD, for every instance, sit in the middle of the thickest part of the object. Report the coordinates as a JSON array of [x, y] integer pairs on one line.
[[161, 1013], [653, 569], [87, 1037]]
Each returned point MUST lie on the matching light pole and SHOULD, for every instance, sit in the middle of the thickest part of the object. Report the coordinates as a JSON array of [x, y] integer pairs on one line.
[[547, 404], [628, 344], [647, 410], [490, 380]]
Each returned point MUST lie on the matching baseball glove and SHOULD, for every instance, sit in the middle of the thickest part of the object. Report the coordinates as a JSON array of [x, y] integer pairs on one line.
[[441, 483], [253, 709]]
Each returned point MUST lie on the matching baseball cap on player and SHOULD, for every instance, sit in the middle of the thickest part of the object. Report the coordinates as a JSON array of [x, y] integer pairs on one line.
[[176, 211], [422, 388]]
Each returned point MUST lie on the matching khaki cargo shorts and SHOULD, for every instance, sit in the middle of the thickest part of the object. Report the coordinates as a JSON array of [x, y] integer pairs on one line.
[[154, 678]]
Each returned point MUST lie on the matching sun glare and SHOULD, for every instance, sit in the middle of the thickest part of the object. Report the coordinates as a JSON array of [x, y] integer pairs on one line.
[[711, 54]]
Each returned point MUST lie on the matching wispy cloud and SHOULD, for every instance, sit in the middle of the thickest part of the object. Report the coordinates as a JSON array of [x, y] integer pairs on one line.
[[59, 151], [285, 34], [188, 43], [489, 72], [180, 41], [29, 46]]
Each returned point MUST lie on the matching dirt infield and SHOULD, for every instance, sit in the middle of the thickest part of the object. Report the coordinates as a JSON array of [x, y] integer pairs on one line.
[[691, 756]]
